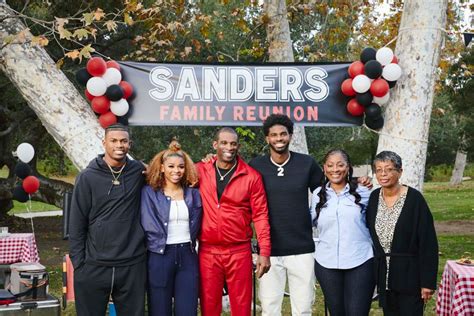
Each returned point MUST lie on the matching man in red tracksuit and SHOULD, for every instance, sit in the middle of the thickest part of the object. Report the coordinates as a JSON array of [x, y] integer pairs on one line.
[[232, 196]]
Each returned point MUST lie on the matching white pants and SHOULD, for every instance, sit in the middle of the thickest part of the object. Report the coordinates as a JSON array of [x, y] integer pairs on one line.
[[301, 280]]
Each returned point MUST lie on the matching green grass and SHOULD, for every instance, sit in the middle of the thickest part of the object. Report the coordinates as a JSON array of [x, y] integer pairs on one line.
[[22, 207], [450, 203], [35, 207]]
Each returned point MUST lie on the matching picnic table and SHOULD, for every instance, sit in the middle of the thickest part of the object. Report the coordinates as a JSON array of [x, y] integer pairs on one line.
[[18, 248], [456, 290]]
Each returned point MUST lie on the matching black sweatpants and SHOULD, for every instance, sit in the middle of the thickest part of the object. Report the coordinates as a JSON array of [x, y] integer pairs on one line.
[[126, 284]]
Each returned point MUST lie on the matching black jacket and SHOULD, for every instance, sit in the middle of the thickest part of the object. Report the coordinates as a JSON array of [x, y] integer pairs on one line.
[[104, 224], [414, 252]]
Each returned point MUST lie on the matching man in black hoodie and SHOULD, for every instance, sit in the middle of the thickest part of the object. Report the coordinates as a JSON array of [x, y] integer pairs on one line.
[[106, 240]]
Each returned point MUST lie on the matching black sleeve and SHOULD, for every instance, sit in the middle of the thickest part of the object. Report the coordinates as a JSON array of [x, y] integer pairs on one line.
[[316, 175], [252, 162], [428, 246], [79, 221]]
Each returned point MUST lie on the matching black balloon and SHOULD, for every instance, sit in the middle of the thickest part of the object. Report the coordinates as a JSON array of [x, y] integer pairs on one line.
[[391, 84], [22, 170], [364, 99], [373, 69], [19, 194], [374, 123], [373, 111], [367, 54], [123, 120], [82, 76], [114, 92]]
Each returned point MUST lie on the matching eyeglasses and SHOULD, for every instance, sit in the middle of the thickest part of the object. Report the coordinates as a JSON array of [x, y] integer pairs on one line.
[[386, 171]]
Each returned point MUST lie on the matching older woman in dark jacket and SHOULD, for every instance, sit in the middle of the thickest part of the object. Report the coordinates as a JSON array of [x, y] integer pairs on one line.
[[171, 214], [405, 243]]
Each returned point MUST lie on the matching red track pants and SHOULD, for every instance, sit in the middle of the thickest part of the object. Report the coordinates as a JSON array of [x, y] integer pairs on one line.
[[233, 268]]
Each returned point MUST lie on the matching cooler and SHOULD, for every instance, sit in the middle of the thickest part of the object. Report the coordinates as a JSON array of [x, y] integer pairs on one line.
[[47, 307]]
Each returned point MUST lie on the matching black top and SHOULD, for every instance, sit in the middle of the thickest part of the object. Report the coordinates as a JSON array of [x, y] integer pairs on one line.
[[288, 202], [105, 218], [414, 252], [222, 184]]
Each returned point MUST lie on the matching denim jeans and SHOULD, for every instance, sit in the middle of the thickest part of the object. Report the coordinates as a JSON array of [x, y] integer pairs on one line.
[[347, 291]]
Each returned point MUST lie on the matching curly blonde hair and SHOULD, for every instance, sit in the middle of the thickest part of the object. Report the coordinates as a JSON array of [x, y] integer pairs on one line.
[[155, 177]]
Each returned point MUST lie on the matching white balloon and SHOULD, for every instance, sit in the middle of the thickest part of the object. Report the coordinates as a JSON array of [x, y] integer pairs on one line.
[[361, 83], [112, 76], [120, 107], [382, 100], [96, 86], [384, 56], [392, 72], [25, 152]]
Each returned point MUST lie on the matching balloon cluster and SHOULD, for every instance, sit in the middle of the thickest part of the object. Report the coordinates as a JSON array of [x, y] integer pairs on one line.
[[30, 184], [369, 84], [105, 89]]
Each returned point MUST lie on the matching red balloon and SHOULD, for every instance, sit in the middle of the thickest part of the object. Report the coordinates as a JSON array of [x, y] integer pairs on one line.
[[346, 88], [101, 104], [31, 184], [127, 89], [113, 64], [356, 68], [379, 87], [89, 96], [394, 60], [107, 119], [354, 108], [96, 66]]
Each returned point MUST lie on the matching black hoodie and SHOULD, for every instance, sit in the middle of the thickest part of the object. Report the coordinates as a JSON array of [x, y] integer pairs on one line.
[[104, 224]]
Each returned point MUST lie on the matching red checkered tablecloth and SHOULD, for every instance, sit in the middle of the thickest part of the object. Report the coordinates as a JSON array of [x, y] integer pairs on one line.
[[18, 248], [456, 291]]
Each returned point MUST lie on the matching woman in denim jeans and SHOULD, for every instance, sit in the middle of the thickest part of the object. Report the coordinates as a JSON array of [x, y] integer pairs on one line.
[[344, 255]]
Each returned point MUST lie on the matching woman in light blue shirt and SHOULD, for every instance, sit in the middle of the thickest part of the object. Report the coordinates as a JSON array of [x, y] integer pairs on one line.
[[344, 255]]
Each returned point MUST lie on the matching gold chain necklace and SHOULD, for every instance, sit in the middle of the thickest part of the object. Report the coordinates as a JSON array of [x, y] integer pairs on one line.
[[116, 174]]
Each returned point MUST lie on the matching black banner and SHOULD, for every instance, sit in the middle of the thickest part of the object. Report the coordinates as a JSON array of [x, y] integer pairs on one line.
[[223, 94]]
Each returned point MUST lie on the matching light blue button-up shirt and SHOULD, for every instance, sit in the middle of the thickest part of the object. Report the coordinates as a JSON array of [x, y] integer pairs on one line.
[[344, 240]]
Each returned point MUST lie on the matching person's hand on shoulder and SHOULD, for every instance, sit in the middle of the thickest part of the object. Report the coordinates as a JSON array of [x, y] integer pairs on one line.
[[365, 181], [208, 158], [146, 170]]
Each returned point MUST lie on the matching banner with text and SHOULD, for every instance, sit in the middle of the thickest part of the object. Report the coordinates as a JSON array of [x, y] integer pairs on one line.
[[223, 94]]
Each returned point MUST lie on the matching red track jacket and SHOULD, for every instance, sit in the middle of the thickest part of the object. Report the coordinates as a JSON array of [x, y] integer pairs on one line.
[[226, 222]]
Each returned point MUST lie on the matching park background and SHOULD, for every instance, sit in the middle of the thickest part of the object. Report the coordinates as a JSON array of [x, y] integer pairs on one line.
[[234, 31]]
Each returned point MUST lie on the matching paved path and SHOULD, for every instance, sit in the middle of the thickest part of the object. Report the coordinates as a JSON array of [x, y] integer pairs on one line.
[[40, 214]]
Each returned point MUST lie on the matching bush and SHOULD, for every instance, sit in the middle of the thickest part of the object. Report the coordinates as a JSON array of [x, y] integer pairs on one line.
[[442, 172]]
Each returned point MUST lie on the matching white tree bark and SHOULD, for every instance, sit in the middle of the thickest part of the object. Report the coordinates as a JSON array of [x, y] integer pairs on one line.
[[281, 50], [407, 116], [57, 103], [459, 166]]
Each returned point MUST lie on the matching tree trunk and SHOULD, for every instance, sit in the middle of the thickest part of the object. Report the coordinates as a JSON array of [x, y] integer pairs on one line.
[[459, 165], [57, 103], [407, 116], [281, 50]]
